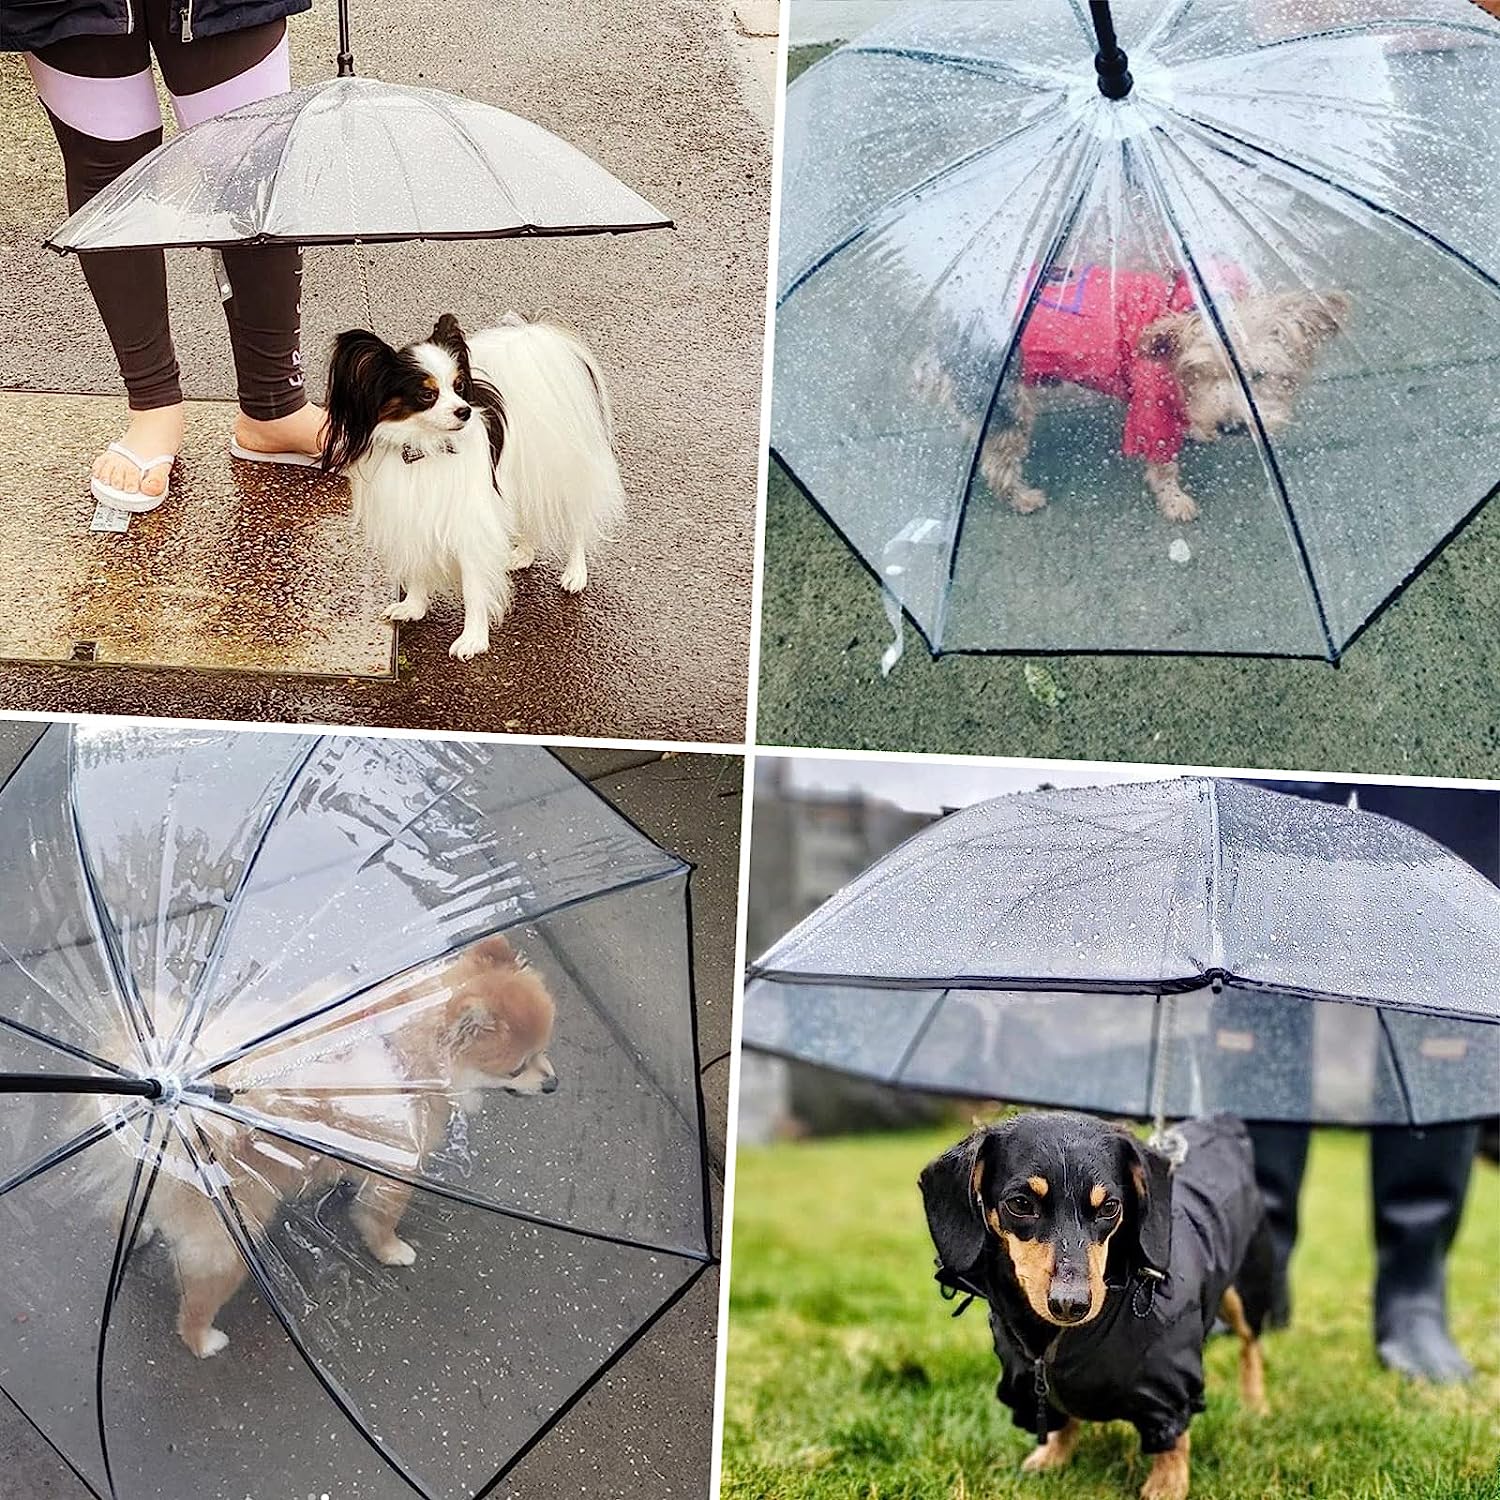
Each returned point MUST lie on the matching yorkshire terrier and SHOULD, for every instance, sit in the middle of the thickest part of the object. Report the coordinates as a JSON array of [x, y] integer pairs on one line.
[[1140, 339]]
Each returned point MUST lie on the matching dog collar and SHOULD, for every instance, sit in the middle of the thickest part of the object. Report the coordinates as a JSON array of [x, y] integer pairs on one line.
[[414, 455]]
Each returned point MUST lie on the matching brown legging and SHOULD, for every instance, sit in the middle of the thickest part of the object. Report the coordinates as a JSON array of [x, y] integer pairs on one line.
[[104, 83]]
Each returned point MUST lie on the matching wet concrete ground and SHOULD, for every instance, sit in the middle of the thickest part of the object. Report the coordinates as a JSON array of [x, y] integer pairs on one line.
[[656, 91], [646, 1427]]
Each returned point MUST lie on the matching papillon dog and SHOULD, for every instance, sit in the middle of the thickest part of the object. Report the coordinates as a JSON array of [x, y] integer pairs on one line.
[[470, 458]]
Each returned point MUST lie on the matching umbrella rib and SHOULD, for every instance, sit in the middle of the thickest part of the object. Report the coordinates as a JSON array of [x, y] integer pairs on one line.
[[989, 67], [1358, 28], [443, 108], [233, 1220], [1086, 165], [1212, 319], [123, 1242], [1293, 165], [1400, 1072], [614, 1358], [196, 1011], [916, 1037], [67, 1048], [70, 1148], [243, 1049], [135, 1014], [267, 1125], [883, 211]]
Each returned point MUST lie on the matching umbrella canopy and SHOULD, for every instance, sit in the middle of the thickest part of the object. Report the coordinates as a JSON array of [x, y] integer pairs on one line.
[[1170, 949], [240, 1007], [354, 159], [1272, 260]]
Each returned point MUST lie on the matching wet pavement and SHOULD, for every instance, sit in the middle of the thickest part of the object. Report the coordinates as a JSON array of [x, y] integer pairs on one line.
[[71, 594], [653, 89], [645, 1428]]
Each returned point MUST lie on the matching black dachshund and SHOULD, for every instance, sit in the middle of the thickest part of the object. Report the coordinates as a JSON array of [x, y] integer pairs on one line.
[[1104, 1269]]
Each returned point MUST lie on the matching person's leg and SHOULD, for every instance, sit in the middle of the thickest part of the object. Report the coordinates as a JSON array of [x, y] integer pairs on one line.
[[1419, 1180], [207, 77], [1280, 1161], [101, 101]]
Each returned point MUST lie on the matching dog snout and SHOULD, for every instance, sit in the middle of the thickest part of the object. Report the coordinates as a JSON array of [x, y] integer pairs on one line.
[[463, 413], [1068, 1303], [549, 1084]]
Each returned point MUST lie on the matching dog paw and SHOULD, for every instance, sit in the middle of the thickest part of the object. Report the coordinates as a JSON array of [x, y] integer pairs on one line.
[[1178, 505], [522, 555], [209, 1342], [470, 644], [407, 609], [396, 1253], [1040, 1460], [1025, 501], [575, 577]]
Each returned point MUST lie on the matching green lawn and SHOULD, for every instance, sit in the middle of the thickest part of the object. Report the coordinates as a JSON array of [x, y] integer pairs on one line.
[[848, 1378]]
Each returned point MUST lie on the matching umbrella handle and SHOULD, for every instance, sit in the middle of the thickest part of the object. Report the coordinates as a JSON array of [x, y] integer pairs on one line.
[[346, 57], [1110, 61], [77, 1083]]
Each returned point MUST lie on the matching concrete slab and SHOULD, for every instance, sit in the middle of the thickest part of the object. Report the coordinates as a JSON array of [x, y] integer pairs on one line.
[[658, 645], [646, 1428], [267, 572]]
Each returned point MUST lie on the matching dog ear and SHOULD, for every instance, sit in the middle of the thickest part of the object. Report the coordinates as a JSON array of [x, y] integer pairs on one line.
[[1149, 1176], [358, 375], [1315, 317], [493, 950], [1331, 313], [446, 332], [951, 1197], [1164, 339]]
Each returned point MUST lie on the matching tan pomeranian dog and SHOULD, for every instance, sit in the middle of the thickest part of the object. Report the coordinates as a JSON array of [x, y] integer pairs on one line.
[[387, 1077]]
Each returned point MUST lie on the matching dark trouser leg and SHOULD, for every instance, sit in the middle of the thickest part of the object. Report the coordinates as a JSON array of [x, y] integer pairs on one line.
[[1419, 1180], [102, 107], [207, 77], [1280, 1161]]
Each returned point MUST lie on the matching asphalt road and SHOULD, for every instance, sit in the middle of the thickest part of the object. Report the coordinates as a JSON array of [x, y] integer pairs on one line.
[[646, 1427], [656, 90]]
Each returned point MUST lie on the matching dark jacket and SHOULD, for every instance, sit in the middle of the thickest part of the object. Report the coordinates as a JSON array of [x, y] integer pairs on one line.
[[1141, 1360], [26, 25]]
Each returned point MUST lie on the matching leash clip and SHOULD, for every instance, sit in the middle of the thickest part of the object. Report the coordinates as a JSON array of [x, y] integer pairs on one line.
[[1147, 1281]]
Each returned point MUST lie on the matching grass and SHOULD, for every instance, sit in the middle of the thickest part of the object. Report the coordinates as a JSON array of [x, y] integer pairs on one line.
[[848, 1378]]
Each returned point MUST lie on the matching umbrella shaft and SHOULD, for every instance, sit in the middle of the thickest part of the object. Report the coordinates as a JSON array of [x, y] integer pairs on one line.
[[346, 57], [80, 1083], [1110, 61]]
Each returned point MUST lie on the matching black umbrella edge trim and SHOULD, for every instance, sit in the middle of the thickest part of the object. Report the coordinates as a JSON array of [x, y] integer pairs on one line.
[[937, 654], [268, 1125], [257, 241], [234, 1224], [1210, 310], [524, 1451], [692, 998], [936, 1091], [1168, 985]]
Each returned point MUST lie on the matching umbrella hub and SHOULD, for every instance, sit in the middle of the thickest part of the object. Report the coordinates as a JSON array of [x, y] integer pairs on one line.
[[1110, 62]]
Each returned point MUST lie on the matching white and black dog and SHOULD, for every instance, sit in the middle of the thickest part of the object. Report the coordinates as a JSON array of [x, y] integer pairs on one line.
[[470, 458]]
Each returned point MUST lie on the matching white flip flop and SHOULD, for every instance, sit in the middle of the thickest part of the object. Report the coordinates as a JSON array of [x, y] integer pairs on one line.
[[136, 501], [294, 460]]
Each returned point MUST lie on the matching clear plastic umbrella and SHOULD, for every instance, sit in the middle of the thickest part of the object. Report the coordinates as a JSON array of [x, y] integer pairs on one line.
[[355, 159], [1185, 347], [1162, 950], [374, 1058]]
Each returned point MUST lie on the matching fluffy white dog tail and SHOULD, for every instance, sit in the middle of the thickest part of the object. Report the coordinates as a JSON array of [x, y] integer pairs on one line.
[[557, 470]]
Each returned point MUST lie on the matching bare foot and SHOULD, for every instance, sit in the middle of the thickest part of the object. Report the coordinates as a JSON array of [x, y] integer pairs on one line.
[[301, 432], [150, 434]]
